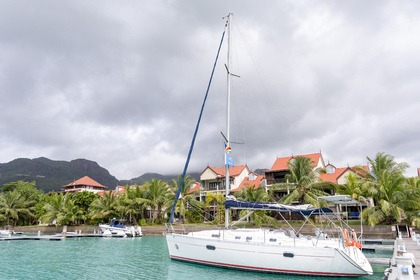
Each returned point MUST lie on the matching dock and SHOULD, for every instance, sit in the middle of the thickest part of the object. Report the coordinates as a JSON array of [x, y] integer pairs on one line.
[[375, 248], [56, 237], [404, 264], [383, 261], [31, 237]]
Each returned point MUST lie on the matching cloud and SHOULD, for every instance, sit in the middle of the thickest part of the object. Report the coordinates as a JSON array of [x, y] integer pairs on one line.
[[122, 84]]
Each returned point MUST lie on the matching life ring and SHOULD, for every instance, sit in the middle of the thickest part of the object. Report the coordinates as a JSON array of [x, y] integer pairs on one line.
[[347, 238], [355, 241]]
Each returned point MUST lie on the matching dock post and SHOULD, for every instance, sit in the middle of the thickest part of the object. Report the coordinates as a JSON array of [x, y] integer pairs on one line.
[[64, 233]]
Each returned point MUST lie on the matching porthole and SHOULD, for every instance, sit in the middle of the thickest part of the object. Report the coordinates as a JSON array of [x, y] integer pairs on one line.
[[211, 247], [288, 255]]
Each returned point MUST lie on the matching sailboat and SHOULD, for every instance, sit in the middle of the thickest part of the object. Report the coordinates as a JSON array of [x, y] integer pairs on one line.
[[266, 250]]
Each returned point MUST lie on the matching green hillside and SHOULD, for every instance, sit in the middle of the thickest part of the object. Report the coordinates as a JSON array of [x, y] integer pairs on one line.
[[51, 175]]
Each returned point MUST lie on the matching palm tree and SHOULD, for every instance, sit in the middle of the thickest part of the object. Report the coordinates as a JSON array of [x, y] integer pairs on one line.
[[156, 197], [413, 211], [13, 206], [18, 202], [132, 203], [187, 205], [249, 193], [104, 208], [387, 184], [53, 209], [356, 188], [84, 200], [70, 212], [305, 182], [217, 200]]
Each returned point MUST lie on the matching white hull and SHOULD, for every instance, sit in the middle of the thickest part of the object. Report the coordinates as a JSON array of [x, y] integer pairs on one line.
[[268, 251], [129, 231], [5, 232]]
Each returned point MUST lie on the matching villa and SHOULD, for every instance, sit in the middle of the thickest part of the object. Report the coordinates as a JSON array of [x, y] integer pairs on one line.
[[84, 184], [213, 180]]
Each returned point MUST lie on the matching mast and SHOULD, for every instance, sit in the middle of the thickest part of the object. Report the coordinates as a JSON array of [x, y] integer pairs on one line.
[[178, 193], [227, 183]]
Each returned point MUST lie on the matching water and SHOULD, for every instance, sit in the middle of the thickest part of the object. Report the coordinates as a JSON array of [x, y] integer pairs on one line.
[[114, 258]]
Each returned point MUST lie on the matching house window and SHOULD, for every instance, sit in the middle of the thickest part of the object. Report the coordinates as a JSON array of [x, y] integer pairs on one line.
[[330, 169], [213, 186]]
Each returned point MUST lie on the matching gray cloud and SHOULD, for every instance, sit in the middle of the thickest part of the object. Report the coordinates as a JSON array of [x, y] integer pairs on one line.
[[122, 83]]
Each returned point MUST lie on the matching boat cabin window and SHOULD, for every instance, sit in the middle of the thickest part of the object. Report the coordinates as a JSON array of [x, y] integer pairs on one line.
[[288, 255], [211, 247], [215, 235], [273, 239], [237, 237], [248, 238]]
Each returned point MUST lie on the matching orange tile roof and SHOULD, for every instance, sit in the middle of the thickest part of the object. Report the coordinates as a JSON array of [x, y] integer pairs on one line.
[[196, 188], [282, 163], [120, 189], [85, 181], [333, 177], [233, 171], [247, 182]]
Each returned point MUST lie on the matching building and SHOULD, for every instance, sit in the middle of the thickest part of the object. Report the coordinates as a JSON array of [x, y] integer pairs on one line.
[[214, 180], [280, 168], [253, 180], [339, 175], [119, 190], [84, 184]]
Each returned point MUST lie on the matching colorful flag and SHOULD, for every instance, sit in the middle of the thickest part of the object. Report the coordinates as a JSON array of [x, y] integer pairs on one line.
[[229, 161], [228, 148]]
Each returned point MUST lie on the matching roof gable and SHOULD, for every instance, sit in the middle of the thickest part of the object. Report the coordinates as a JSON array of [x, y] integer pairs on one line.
[[333, 177], [233, 171], [255, 182], [340, 172], [85, 181], [195, 188], [282, 163]]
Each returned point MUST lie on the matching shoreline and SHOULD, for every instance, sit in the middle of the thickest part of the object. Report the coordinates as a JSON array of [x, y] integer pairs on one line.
[[376, 232]]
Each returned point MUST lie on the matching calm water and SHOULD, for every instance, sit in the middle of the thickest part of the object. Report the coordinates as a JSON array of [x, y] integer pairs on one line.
[[102, 258]]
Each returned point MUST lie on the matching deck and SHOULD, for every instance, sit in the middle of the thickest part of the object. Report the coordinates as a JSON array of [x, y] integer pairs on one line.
[[405, 262]]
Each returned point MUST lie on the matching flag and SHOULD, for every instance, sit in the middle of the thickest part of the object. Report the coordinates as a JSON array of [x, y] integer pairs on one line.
[[229, 161], [228, 148]]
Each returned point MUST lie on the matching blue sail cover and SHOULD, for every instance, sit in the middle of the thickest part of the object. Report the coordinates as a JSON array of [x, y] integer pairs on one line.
[[301, 209]]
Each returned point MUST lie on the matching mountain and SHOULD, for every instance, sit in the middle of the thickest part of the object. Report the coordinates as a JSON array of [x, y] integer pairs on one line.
[[51, 175], [147, 177]]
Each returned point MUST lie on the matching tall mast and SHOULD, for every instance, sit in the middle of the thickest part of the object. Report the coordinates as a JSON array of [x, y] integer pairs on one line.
[[227, 183]]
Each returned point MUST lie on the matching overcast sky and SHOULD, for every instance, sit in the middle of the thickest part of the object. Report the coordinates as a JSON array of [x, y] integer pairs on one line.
[[121, 82]]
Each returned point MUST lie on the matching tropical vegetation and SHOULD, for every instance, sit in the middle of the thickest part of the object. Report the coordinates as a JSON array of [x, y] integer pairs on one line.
[[388, 196]]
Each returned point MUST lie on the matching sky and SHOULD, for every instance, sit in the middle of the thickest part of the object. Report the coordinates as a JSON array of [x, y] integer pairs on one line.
[[121, 82]]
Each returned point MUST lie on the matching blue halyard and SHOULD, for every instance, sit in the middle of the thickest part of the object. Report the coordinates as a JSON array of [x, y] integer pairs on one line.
[[171, 218]]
